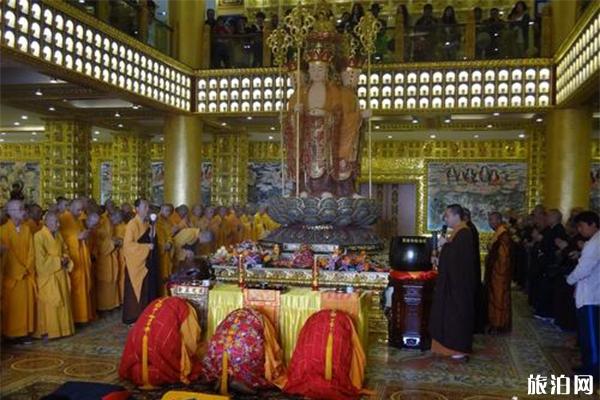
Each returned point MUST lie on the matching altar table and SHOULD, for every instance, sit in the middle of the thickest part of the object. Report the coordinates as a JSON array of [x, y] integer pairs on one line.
[[295, 306]]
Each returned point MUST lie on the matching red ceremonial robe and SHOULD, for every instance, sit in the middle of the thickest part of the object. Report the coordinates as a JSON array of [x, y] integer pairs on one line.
[[329, 361], [163, 345]]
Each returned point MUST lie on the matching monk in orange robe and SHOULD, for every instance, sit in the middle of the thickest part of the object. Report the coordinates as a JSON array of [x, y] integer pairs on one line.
[[106, 268], [164, 234], [52, 263], [232, 228], [216, 227], [263, 224], [141, 260], [163, 347], [34, 221], [196, 215], [244, 353], [498, 273], [119, 233], [328, 361], [18, 273], [75, 235]]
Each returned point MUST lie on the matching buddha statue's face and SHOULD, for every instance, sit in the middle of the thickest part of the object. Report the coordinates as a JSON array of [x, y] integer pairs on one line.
[[350, 77], [318, 71]]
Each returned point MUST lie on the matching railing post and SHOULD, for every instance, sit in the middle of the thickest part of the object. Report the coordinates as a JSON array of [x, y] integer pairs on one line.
[[266, 51], [469, 51], [546, 38], [399, 38]]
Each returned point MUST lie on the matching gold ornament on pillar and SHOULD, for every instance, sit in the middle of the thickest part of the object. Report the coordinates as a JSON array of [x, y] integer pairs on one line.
[[366, 30]]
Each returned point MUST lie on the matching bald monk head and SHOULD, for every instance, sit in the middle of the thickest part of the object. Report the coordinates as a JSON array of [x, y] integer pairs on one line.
[[182, 211], [51, 221], [223, 211], [209, 212], [92, 220], [126, 208], [142, 207], [110, 206], [198, 210], [16, 211], [76, 207], [166, 210], [35, 212], [62, 204], [116, 217]]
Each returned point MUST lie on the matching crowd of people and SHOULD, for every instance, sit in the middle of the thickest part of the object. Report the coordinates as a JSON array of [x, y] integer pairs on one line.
[[62, 265], [236, 43], [557, 266]]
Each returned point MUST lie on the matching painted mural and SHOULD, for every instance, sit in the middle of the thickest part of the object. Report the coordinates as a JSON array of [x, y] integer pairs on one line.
[[595, 188], [206, 182], [481, 187], [26, 174], [264, 181], [105, 181]]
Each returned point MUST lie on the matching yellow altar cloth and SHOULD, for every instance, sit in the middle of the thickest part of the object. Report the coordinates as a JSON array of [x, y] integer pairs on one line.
[[297, 304]]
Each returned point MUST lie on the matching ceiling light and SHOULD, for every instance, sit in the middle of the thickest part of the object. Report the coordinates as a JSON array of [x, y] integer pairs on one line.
[[249, 117], [490, 126], [270, 137], [53, 80], [1, 140], [135, 107], [3, 133], [95, 139], [39, 93], [161, 138], [32, 140], [377, 127], [81, 1], [521, 135], [476, 136], [163, 13], [17, 123], [51, 109], [120, 125], [272, 128], [96, 132], [389, 136], [223, 123], [24, 117], [447, 120], [540, 119], [33, 133], [117, 115], [432, 136], [496, 114], [415, 121]]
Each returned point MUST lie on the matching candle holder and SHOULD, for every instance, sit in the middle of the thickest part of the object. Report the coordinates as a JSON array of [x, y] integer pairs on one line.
[[241, 270], [315, 274]]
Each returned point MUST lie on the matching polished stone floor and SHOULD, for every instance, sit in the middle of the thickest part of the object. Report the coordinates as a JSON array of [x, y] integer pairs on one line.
[[498, 369]]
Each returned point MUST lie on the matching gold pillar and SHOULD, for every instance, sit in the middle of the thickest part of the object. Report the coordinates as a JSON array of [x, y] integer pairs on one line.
[[230, 169], [103, 10], [399, 38], [568, 157], [67, 159], [470, 29], [187, 20], [564, 16], [183, 153], [130, 167]]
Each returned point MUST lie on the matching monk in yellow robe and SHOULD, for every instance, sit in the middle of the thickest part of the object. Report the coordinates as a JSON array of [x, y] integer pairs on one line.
[[216, 226], [34, 221], [183, 218], [62, 205], [75, 235], [52, 264], [18, 273], [119, 233], [196, 215], [142, 279], [106, 268], [164, 235], [263, 224], [498, 277], [232, 228]]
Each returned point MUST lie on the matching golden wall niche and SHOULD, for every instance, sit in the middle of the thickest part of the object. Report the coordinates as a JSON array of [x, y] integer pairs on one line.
[[130, 167], [66, 160], [230, 169], [101, 152]]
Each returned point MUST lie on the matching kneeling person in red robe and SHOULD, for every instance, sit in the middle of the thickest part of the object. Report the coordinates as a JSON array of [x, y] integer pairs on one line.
[[329, 361], [244, 353], [163, 345]]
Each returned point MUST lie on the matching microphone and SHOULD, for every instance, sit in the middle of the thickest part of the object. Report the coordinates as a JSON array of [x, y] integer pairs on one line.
[[153, 218], [444, 230]]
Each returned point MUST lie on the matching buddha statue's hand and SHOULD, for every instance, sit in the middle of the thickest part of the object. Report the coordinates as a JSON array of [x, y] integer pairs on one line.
[[317, 112], [367, 113]]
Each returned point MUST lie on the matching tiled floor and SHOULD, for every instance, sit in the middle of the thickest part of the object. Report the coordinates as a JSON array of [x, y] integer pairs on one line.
[[498, 369]]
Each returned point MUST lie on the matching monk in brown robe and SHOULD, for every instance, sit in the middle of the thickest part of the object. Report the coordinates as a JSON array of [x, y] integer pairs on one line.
[[18, 273], [141, 260], [164, 234], [452, 311], [498, 268], [75, 235]]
